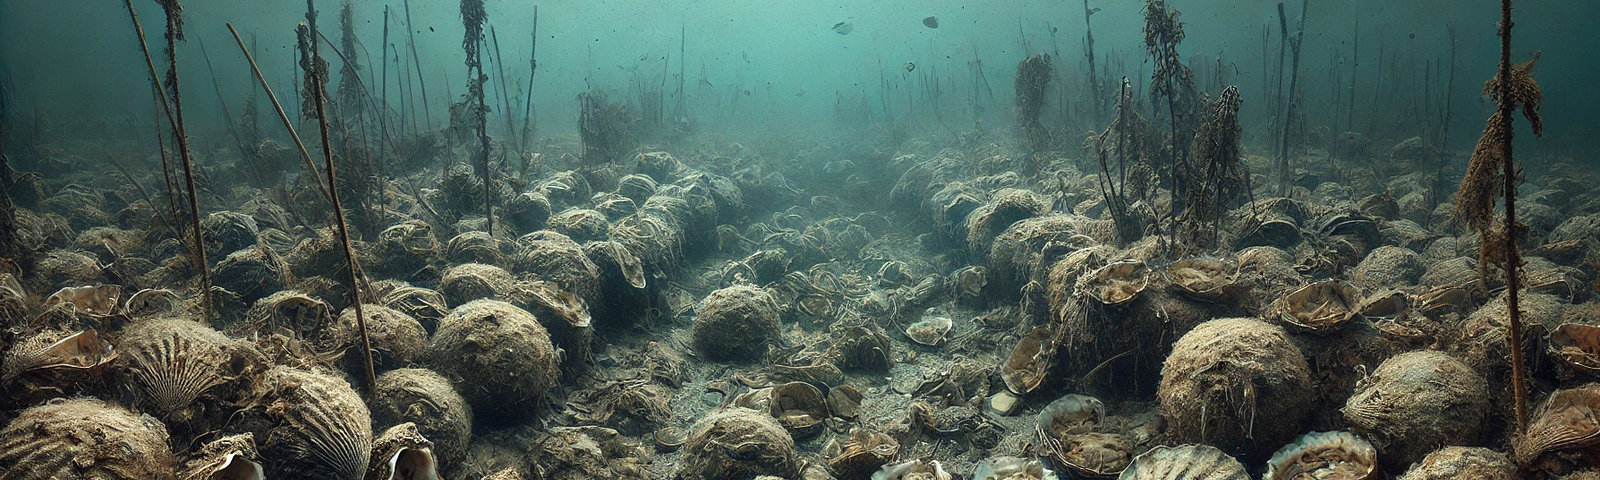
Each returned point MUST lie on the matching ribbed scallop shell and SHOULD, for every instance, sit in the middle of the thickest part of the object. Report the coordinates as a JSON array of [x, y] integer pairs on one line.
[[1187, 462], [1325, 456], [321, 428], [172, 361], [228, 458], [84, 438], [1569, 419], [401, 453]]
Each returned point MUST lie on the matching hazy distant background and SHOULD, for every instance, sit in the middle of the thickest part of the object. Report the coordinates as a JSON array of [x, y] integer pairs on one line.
[[77, 60]]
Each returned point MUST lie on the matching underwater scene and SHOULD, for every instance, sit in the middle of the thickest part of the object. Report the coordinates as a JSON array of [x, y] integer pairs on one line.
[[799, 240]]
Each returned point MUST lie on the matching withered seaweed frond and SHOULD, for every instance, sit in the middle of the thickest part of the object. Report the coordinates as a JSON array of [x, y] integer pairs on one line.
[[1480, 188], [472, 17]]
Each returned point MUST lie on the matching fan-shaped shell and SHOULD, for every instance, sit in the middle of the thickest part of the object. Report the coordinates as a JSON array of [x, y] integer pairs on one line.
[[864, 453], [1068, 431], [100, 300], [322, 429], [1202, 278], [1186, 462], [631, 267], [798, 406], [1569, 419], [1116, 283], [84, 438], [566, 305], [1578, 345], [172, 361], [401, 453], [1324, 455], [930, 331], [1385, 304], [1319, 307], [151, 301], [1030, 361], [227, 458], [56, 351], [1071, 414]]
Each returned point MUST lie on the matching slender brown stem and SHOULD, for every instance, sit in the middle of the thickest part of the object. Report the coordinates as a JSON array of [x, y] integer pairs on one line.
[[287, 125], [338, 213], [181, 135], [1513, 257]]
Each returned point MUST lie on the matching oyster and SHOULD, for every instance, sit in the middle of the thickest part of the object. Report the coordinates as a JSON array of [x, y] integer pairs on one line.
[[1568, 420], [427, 306], [738, 443], [549, 297], [1070, 415], [1202, 278], [969, 281], [1324, 455], [1319, 307], [13, 299], [864, 453], [1466, 463], [425, 399], [99, 300], [798, 406], [736, 323], [1415, 403], [844, 401], [913, 470], [84, 438], [151, 301], [320, 427], [930, 331], [1225, 375], [616, 254], [401, 453], [1030, 361], [227, 458], [1186, 462], [1578, 345], [1012, 468], [1392, 303], [52, 351], [473, 247], [1069, 431], [294, 313], [1117, 283]]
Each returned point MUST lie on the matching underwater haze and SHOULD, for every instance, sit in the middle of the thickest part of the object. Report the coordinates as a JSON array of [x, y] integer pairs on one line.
[[820, 240]]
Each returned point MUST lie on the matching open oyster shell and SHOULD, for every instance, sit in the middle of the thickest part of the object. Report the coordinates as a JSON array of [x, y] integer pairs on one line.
[[1324, 455]]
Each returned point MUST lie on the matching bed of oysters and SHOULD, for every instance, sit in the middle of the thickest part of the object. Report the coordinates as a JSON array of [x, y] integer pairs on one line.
[[716, 311]]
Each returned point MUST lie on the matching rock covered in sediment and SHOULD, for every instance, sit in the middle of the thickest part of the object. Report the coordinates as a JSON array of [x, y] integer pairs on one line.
[[497, 355], [397, 339], [735, 323], [1461, 463], [426, 399], [84, 438], [738, 443], [1226, 375], [1417, 402], [475, 281]]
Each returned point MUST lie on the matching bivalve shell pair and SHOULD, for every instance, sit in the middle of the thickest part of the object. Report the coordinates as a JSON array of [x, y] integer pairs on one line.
[[1116, 283]]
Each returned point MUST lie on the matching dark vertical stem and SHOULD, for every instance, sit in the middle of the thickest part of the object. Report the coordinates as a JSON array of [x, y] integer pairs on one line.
[[181, 134], [1289, 110], [1094, 79], [317, 97], [311, 167], [527, 103], [1444, 122], [383, 113], [161, 102], [505, 93], [1513, 257], [411, 32], [1355, 61], [1283, 45]]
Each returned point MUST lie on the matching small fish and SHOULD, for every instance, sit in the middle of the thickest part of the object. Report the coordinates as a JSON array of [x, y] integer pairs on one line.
[[747, 92], [430, 29], [843, 28], [931, 22], [910, 66], [1413, 35]]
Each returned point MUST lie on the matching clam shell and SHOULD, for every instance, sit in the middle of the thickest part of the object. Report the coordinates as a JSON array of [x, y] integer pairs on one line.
[[1569, 419], [1324, 455], [566, 305], [1030, 361], [1011, 468], [1319, 307], [227, 458], [1117, 283], [84, 438], [151, 301], [321, 427], [844, 401], [1578, 345], [969, 281], [798, 405], [401, 453], [54, 350], [632, 269], [864, 453], [1186, 462], [1386, 304], [930, 331], [913, 470], [173, 361], [99, 300], [1070, 415], [427, 306], [1202, 278]]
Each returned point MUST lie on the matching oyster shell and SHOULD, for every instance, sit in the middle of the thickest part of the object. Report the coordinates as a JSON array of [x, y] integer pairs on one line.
[[425, 399], [863, 454], [1416, 402], [1030, 361], [1071, 415], [1324, 455], [84, 438], [738, 443], [1387, 304], [427, 306], [56, 351], [98, 300], [1012, 468], [401, 453], [473, 247], [498, 355], [1202, 278], [930, 331], [913, 470], [1319, 307], [969, 281], [1068, 430], [1186, 462], [798, 406], [1568, 420], [151, 301], [1117, 283], [631, 268], [293, 313], [844, 401], [547, 296], [227, 458], [13, 299], [1578, 345], [321, 428]]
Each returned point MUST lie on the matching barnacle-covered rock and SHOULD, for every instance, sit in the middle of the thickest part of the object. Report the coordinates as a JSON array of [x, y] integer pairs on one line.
[[226, 232], [473, 247], [1417, 402], [1225, 374], [1186, 462], [735, 323], [473, 281], [320, 428], [1563, 432], [233, 457], [252, 273], [1319, 307], [185, 373], [1331, 455], [397, 339], [738, 443], [1459, 463], [425, 399], [85, 438], [498, 355], [864, 453], [402, 453]]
